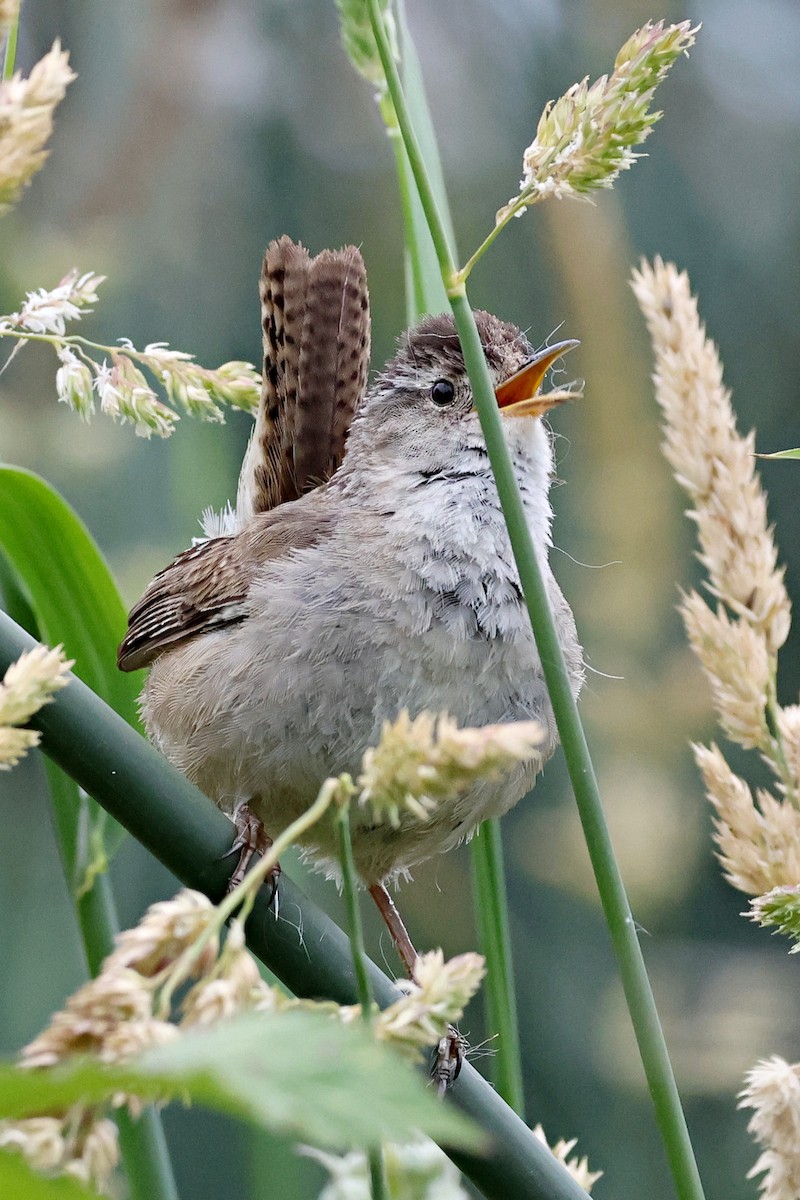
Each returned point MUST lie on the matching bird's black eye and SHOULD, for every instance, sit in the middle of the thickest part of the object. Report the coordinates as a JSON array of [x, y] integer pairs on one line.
[[443, 393]]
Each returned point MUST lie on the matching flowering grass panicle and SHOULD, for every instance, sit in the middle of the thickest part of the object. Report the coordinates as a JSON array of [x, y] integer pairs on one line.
[[26, 115], [772, 1090], [78, 1144], [577, 1167], [737, 642], [9, 11], [48, 311], [712, 462], [117, 379], [434, 1000], [28, 684], [737, 639], [417, 1169], [167, 929], [359, 40], [758, 839], [419, 762], [585, 138]]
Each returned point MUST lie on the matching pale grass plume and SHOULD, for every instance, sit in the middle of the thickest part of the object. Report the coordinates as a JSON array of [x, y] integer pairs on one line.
[[359, 40], [90, 1016], [416, 1170], [47, 311], [419, 762], [75, 384], [772, 1091], [233, 985], [28, 684], [434, 1000], [577, 1167], [779, 909], [115, 375], [738, 667], [788, 720], [126, 396], [712, 462], [167, 929], [585, 138], [758, 840], [26, 117], [9, 11], [78, 1144]]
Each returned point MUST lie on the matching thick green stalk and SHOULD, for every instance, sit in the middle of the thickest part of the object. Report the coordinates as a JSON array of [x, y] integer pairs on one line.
[[308, 952], [638, 993], [144, 1148], [494, 935]]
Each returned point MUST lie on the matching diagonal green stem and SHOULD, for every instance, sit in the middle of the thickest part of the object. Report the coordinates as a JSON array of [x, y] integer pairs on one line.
[[144, 1148], [638, 993], [306, 950]]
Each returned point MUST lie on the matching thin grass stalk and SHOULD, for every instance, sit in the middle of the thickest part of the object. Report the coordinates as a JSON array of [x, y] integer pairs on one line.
[[10, 55], [425, 294], [306, 950], [636, 984], [494, 937], [377, 1171]]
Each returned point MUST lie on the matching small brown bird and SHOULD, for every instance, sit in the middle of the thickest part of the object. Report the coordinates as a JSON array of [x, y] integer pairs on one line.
[[365, 569]]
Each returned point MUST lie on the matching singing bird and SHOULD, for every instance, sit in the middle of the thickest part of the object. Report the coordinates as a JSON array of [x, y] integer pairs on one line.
[[365, 569]]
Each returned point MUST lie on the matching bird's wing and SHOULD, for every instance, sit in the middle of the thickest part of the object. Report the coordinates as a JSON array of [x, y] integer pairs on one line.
[[316, 324], [206, 588]]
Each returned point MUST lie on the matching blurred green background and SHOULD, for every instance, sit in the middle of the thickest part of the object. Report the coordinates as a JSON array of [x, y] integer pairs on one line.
[[199, 129]]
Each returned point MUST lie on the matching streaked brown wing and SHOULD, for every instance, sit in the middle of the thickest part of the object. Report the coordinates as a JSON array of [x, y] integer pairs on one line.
[[206, 587]]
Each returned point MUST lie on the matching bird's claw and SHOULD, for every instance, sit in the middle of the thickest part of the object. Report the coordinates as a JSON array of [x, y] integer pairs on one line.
[[251, 838]]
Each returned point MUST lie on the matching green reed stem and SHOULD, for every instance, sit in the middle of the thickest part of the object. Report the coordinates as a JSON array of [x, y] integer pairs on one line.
[[638, 993], [425, 294], [10, 56], [494, 935], [377, 1172]]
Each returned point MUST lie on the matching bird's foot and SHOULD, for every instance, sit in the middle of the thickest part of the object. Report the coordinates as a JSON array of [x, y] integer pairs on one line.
[[447, 1058], [251, 838]]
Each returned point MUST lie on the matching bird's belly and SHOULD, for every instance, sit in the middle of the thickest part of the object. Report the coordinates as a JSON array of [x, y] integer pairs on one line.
[[266, 710]]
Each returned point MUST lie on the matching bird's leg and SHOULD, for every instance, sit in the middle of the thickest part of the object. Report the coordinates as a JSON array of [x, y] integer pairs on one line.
[[251, 838], [394, 923], [449, 1053]]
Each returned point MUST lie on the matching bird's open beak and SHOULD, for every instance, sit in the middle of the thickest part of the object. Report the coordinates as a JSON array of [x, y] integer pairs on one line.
[[517, 397]]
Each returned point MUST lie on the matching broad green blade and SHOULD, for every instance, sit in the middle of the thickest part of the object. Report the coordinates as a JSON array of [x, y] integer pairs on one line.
[[18, 1181], [302, 1074], [61, 576]]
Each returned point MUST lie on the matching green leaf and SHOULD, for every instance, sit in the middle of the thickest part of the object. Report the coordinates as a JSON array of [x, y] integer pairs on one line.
[[301, 1073], [19, 1182], [781, 454], [63, 579], [424, 288]]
